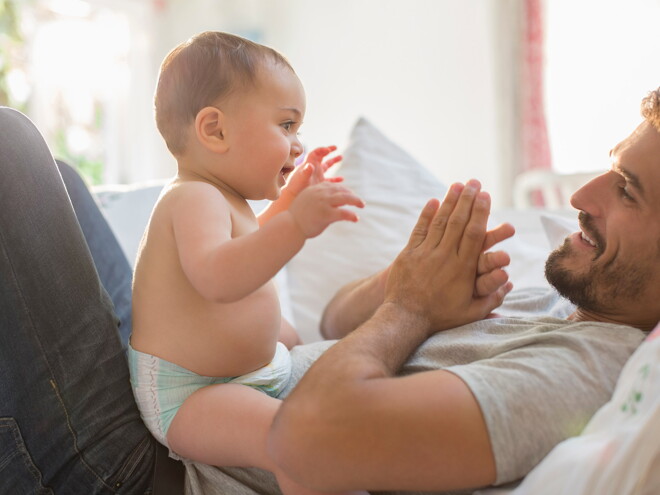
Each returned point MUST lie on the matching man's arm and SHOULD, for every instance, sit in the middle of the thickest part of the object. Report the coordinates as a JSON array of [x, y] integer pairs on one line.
[[350, 423], [353, 304]]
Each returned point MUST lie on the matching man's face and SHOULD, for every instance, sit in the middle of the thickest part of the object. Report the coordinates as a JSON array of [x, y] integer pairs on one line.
[[611, 268]]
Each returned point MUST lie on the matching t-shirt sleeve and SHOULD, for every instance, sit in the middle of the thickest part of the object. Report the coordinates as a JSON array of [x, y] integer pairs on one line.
[[534, 396]]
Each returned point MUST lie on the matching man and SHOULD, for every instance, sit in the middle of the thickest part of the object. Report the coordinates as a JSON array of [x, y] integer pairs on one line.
[[487, 410]]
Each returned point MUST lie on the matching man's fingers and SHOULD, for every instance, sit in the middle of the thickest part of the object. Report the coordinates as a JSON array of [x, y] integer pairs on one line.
[[438, 225], [471, 242], [420, 230], [497, 235], [460, 216]]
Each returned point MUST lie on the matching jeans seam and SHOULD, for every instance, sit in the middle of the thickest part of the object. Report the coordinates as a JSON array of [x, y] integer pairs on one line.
[[50, 370], [23, 452], [74, 436]]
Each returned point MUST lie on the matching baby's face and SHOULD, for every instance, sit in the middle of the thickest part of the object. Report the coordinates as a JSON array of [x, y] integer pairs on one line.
[[262, 125]]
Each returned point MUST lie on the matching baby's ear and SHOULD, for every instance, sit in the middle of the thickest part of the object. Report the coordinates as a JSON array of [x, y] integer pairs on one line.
[[209, 124]]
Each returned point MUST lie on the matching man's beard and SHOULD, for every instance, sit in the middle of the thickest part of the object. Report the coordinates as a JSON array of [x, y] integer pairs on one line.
[[595, 288]]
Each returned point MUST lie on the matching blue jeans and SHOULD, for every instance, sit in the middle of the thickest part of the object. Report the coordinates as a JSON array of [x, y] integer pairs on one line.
[[68, 420]]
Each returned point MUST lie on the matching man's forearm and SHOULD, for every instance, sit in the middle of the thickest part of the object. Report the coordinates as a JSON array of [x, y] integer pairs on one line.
[[353, 304], [328, 408], [350, 424], [384, 343]]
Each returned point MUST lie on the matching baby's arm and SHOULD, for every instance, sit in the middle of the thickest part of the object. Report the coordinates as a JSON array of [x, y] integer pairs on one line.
[[310, 172], [224, 268]]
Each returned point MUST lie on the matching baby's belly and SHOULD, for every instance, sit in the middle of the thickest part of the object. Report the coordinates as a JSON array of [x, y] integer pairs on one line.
[[220, 340]]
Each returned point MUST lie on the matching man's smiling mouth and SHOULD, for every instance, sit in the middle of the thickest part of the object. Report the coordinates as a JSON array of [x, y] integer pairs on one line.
[[587, 239]]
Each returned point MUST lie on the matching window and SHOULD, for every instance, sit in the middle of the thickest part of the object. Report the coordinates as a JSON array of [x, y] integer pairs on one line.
[[601, 61]]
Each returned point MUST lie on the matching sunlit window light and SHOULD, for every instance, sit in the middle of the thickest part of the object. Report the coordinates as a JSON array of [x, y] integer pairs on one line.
[[599, 67], [77, 70]]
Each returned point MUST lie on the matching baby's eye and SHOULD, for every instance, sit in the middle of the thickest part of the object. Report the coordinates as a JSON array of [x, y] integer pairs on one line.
[[287, 125]]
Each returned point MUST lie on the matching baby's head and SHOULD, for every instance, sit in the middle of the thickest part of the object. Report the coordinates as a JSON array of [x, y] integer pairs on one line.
[[200, 72]]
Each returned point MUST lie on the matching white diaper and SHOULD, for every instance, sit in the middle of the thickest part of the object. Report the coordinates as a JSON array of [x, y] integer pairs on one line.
[[160, 387]]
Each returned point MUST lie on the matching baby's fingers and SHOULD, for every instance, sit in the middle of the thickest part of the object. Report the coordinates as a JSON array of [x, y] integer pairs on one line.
[[490, 282], [346, 197], [493, 300], [317, 155], [492, 260], [331, 161], [347, 215]]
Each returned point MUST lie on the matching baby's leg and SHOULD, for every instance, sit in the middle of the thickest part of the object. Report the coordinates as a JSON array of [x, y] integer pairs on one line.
[[227, 425]]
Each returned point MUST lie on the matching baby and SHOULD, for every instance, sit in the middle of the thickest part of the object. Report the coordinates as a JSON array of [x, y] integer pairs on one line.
[[209, 350]]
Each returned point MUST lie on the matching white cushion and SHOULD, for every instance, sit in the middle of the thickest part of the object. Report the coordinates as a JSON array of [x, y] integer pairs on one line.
[[395, 187], [127, 209], [557, 227]]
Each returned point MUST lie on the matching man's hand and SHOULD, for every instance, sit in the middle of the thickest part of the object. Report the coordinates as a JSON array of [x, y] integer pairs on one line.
[[490, 268], [435, 276], [357, 301]]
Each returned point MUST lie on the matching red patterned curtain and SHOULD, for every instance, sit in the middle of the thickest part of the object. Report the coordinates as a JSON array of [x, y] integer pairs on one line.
[[534, 131]]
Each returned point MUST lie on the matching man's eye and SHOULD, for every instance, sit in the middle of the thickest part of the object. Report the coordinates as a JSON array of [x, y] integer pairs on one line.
[[625, 195]]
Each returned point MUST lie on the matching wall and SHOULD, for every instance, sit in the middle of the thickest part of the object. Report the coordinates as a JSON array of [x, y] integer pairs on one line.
[[421, 70]]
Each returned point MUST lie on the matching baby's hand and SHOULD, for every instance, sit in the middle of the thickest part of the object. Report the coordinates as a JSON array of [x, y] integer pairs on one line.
[[312, 171], [320, 204]]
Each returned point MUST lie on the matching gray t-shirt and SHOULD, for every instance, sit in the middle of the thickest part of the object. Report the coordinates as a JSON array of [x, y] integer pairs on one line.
[[538, 380]]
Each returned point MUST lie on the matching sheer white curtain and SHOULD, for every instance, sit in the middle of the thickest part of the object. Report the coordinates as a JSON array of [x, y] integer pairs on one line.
[[90, 74]]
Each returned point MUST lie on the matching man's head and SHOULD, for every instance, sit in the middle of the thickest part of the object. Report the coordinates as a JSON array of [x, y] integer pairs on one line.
[[201, 72], [611, 268]]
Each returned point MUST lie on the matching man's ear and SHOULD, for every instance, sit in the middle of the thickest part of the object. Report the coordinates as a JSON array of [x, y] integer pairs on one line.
[[209, 129]]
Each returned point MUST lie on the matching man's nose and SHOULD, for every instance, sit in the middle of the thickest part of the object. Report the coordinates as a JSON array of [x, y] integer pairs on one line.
[[591, 195]]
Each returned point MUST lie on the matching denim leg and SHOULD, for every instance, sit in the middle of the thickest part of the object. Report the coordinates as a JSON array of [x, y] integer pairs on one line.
[[68, 420], [111, 264]]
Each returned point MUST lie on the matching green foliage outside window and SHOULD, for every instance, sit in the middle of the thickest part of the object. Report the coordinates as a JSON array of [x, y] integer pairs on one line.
[[12, 57], [10, 42]]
